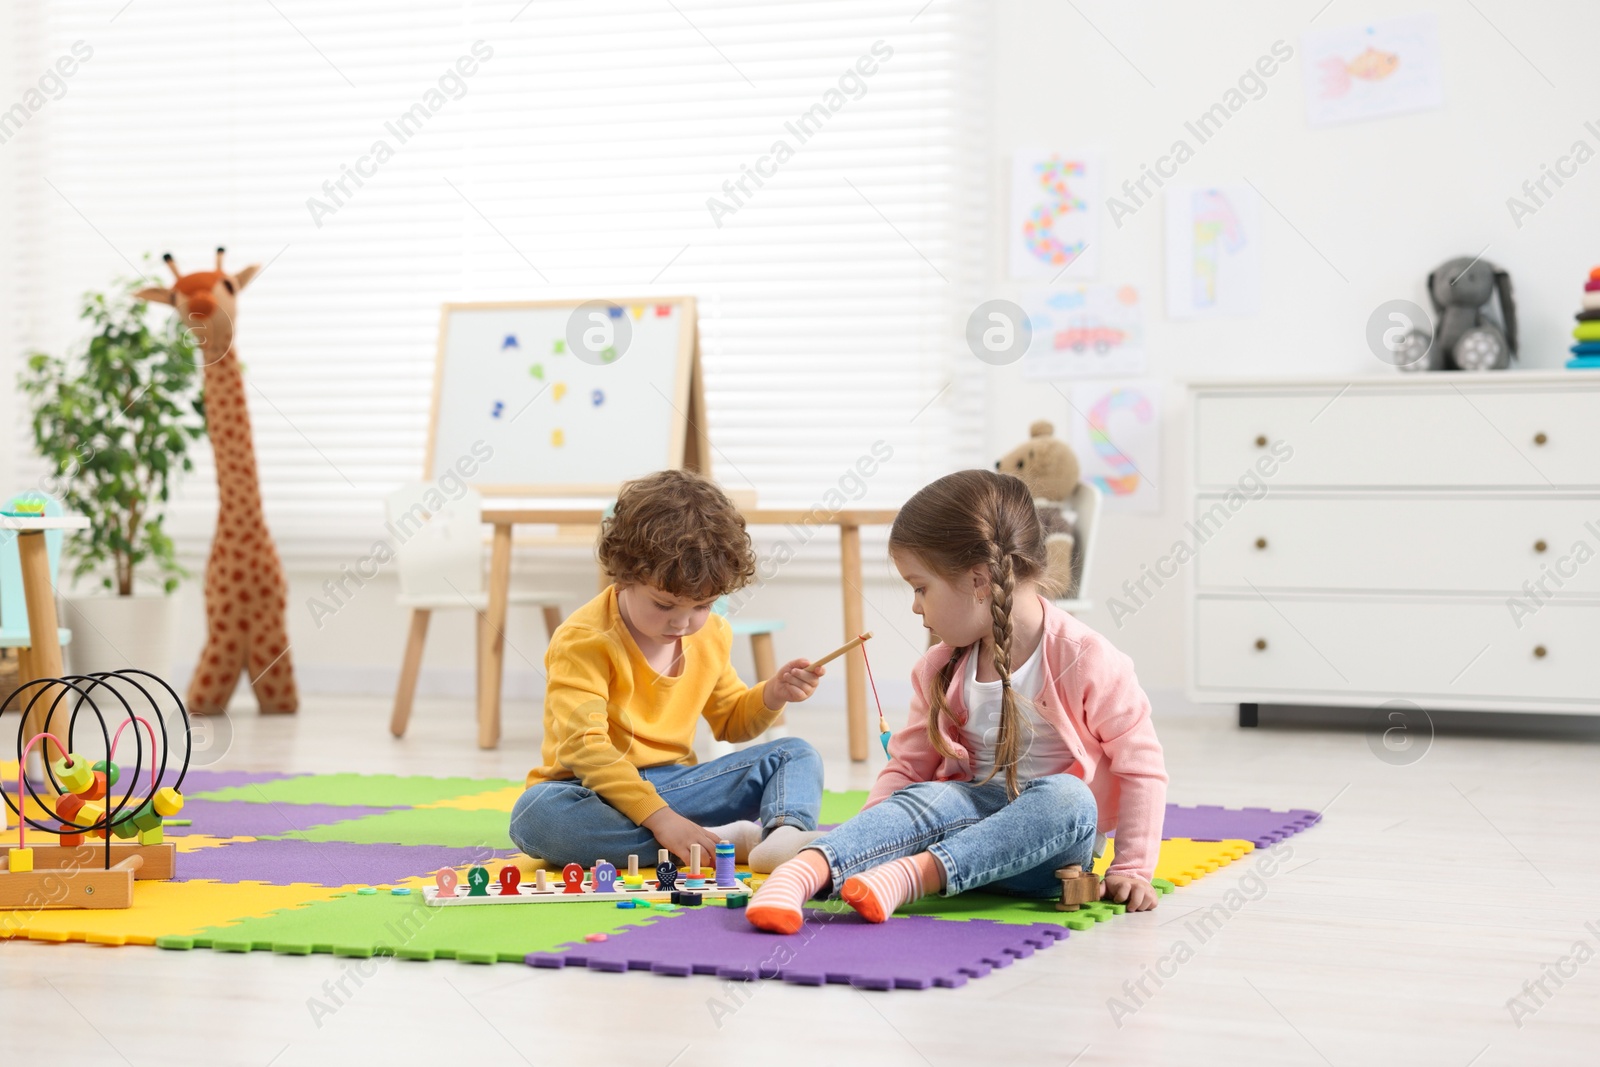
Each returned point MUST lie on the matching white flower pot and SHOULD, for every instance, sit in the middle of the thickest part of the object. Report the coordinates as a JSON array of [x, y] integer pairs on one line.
[[113, 632]]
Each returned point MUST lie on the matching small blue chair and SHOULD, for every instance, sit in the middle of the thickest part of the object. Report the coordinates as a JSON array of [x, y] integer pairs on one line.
[[760, 632], [13, 604]]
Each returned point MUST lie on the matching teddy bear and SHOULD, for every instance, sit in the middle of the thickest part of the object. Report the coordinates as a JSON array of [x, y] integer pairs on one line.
[[1049, 468]]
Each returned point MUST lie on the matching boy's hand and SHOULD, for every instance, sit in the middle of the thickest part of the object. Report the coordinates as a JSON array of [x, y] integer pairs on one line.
[[794, 681], [676, 834], [1136, 893]]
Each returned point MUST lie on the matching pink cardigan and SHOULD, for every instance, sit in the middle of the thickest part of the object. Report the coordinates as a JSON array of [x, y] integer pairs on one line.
[[1092, 697]]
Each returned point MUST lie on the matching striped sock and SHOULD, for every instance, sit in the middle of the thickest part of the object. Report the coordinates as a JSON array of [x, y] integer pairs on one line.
[[877, 892], [776, 905]]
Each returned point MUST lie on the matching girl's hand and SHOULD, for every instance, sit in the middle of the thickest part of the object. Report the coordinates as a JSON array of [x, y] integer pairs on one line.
[[1136, 893], [794, 681], [675, 834]]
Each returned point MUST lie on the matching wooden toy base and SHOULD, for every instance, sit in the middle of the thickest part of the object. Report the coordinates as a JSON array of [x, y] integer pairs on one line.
[[66, 887], [555, 894], [160, 861]]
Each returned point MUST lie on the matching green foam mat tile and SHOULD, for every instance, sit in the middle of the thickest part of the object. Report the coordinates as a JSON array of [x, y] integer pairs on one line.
[[1009, 909], [372, 790], [996, 906], [415, 826], [405, 927], [838, 807]]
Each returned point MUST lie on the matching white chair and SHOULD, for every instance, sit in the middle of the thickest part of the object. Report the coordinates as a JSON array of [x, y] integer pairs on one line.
[[1086, 500], [440, 557]]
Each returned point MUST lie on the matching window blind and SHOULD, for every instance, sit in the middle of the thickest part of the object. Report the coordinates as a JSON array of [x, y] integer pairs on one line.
[[381, 159]]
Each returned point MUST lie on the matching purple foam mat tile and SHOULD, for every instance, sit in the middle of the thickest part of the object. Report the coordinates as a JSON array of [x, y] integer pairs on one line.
[[244, 818], [907, 952], [203, 780], [1263, 827], [322, 863]]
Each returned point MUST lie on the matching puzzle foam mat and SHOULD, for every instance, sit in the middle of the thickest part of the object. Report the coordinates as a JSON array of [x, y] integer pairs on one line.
[[303, 863], [905, 953]]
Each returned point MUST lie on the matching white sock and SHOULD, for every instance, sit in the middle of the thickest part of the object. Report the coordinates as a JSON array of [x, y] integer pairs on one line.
[[744, 835], [780, 846]]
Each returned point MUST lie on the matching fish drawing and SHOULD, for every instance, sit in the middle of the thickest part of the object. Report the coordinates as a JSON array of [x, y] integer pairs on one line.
[[1371, 65]]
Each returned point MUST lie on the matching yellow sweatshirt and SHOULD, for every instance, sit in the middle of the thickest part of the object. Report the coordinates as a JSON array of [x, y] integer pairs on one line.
[[607, 713]]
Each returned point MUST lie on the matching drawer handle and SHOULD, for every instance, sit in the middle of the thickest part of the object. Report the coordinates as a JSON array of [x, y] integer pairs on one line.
[[1539, 438], [1261, 440], [1539, 546], [1539, 652], [1261, 542], [1261, 645]]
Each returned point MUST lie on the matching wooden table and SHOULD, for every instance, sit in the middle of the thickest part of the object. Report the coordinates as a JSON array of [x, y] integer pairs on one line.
[[504, 514], [43, 658]]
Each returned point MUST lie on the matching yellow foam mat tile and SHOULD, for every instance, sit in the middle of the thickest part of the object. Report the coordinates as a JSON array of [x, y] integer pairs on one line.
[[162, 909], [195, 842], [494, 800], [1182, 860], [185, 842], [31, 808]]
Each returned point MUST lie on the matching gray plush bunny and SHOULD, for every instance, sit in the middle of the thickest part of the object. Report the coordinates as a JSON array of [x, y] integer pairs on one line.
[[1470, 336]]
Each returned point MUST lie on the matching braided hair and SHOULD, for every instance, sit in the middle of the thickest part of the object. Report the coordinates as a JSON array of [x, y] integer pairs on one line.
[[977, 518]]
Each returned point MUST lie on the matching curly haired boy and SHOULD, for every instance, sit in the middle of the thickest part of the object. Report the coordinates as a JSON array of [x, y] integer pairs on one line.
[[628, 676]]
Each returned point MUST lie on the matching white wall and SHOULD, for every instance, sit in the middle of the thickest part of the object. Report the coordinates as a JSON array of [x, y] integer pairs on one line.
[[10, 411], [1383, 202]]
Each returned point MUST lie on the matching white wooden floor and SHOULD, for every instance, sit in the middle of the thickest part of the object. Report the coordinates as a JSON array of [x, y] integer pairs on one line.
[[1396, 933]]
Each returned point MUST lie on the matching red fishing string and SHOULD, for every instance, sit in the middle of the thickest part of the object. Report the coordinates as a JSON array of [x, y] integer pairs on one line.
[[882, 725]]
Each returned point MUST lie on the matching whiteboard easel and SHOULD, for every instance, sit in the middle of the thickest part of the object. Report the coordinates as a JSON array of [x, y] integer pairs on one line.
[[508, 385]]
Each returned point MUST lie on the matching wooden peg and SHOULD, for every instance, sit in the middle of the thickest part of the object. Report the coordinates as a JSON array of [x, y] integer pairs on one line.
[[1077, 888]]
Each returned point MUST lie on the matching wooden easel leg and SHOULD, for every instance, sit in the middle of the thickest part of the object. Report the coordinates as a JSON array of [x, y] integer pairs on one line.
[[493, 647], [855, 677], [410, 667]]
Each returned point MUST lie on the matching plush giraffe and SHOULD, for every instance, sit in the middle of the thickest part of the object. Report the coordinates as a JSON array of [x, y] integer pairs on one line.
[[245, 589]]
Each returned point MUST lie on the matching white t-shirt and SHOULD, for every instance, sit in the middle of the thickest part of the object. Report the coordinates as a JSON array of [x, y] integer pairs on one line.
[[1044, 752]]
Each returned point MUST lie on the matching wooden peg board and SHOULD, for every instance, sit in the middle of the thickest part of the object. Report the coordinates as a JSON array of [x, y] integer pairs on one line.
[[555, 893]]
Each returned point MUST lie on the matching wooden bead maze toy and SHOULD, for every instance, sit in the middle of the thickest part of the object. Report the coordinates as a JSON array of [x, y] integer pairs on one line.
[[81, 802]]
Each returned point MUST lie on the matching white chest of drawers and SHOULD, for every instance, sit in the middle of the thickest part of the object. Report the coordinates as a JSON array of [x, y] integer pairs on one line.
[[1431, 538]]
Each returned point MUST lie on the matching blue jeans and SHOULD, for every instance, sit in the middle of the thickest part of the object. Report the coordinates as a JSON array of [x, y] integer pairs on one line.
[[778, 783], [979, 838]]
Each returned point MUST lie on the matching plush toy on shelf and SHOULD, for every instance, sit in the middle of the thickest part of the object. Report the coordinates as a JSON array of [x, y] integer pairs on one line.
[[1471, 335], [1050, 469]]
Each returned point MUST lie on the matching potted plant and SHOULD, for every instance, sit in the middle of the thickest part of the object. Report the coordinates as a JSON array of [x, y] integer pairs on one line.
[[114, 423]]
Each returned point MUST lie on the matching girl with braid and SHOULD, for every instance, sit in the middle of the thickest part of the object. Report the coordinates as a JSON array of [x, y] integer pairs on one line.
[[1029, 736]]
